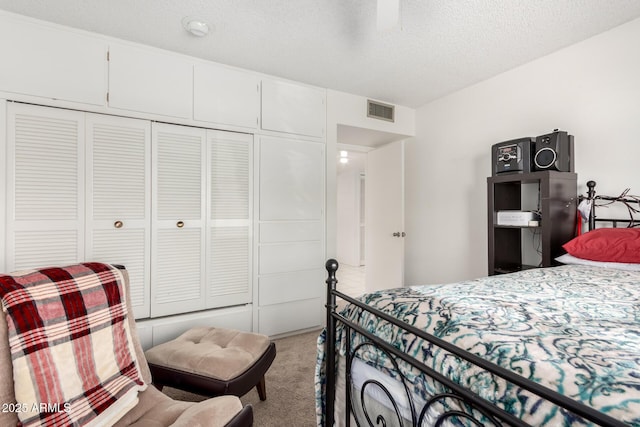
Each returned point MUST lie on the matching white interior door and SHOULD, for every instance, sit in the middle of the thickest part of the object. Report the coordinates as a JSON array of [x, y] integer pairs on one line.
[[384, 213]]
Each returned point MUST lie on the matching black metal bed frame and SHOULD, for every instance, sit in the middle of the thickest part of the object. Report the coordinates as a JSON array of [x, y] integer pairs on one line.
[[469, 408], [627, 200]]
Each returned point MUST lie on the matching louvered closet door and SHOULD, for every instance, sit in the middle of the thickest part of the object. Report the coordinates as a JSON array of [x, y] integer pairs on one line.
[[45, 176], [229, 214], [119, 199], [178, 210]]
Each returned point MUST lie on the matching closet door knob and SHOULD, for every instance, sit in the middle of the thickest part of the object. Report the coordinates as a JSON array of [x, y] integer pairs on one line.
[[180, 224], [118, 224]]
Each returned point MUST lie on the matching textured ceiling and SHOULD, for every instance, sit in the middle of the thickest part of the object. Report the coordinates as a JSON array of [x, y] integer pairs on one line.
[[442, 45]]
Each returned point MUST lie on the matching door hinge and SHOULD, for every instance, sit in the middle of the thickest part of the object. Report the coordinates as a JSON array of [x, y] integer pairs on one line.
[[107, 96], [108, 56]]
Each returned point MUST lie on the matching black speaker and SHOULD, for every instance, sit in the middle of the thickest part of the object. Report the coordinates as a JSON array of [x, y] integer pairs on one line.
[[553, 151], [512, 156]]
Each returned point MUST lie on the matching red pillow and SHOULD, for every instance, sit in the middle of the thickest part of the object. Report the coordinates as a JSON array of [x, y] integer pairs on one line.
[[607, 244]]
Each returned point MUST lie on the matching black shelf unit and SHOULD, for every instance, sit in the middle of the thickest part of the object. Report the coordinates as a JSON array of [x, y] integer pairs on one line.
[[556, 198]]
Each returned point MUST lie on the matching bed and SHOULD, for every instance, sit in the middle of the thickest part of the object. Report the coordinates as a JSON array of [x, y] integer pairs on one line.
[[556, 346]]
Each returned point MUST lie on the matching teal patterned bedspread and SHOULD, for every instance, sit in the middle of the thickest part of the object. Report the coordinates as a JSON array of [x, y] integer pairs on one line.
[[574, 329]]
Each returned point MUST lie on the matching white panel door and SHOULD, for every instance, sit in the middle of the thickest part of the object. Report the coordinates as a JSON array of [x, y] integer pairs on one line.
[[291, 179], [384, 206], [45, 187], [293, 108], [150, 81], [229, 218], [119, 199], [225, 95], [49, 62], [291, 247], [178, 211]]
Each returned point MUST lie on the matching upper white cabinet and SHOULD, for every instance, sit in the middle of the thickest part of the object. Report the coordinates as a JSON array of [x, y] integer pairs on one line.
[[150, 81], [226, 96], [49, 62], [293, 108]]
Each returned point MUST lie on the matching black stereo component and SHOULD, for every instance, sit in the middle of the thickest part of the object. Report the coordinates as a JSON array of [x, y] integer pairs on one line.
[[553, 151], [512, 156]]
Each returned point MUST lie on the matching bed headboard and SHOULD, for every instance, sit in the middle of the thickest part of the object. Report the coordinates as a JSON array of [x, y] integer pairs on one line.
[[629, 202]]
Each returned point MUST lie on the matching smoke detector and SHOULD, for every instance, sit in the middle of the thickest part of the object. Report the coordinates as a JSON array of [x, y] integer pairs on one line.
[[195, 26]]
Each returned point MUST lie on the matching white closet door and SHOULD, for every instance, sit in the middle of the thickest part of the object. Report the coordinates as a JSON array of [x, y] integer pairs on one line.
[[229, 214], [45, 177], [119, 199], [178, 239]]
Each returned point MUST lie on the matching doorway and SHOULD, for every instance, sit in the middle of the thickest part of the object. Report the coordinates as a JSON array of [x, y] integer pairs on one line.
[[354, 195], [351, 220]]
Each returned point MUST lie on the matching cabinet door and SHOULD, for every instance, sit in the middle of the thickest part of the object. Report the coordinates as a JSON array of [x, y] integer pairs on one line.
[[293, 108], [45, 187], [50, 62], [226, 96], [118, 199], [229, 219], [178, 243], [291, 179], [291, 235], [150, 81]]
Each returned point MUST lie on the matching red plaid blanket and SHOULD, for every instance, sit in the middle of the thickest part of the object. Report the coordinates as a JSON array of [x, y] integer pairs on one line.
[[73, 357]]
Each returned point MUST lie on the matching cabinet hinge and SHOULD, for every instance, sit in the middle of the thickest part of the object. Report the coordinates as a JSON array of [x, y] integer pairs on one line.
[[108, 57], [107, 96]]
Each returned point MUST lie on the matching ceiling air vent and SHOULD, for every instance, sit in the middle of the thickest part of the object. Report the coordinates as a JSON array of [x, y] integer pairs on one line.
[[378, 110]]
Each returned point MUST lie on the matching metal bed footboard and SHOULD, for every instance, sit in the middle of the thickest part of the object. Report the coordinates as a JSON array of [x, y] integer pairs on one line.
[[470, 408]]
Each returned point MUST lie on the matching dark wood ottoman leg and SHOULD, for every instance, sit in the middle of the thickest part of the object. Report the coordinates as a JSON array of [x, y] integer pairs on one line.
[[262, 389]]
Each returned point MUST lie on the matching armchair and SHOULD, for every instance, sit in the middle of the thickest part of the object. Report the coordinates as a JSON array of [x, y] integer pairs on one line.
[[62, 349]]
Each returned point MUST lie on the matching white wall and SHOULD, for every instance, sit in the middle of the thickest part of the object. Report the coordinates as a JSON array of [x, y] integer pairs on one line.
[[590, 89]]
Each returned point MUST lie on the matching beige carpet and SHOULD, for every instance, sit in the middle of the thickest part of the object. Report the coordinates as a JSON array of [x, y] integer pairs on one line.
[[290, 386]]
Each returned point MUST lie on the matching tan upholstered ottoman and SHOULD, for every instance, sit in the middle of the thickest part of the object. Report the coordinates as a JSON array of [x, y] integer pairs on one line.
[[213, 362]]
